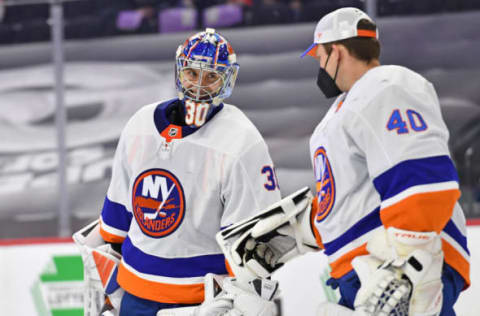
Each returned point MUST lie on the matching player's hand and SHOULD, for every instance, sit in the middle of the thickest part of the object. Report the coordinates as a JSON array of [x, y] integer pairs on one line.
[[262, 253], [263, 258]]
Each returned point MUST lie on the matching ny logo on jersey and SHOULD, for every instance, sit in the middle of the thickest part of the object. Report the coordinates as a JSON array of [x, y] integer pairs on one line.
[[325, 183], [158, 202], [152, 185]]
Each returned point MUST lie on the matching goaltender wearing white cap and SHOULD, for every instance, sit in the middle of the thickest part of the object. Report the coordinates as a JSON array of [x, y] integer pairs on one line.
[[385, 211], [387, 188]]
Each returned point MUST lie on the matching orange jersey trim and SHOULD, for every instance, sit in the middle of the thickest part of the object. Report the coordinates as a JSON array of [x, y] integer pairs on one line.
[[313, 215], [423, 212], [160, 292], [111, 237], [169, 135], [453, 258], [456, 261], [229, 269], [339, 105], [343, 265]]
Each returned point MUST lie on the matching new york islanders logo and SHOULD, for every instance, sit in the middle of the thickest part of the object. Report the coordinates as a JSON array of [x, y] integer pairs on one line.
[[158, 202], [325, 184]]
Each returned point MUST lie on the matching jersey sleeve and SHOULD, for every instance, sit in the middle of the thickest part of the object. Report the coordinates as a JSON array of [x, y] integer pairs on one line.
[[250, 185], [404, 140], [115, 218]]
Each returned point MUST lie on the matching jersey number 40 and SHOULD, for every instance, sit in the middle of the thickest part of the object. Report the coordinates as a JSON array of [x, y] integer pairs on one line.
[[415, 120]]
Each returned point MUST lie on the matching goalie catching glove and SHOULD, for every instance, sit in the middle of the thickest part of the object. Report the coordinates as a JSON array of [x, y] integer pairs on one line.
[[259, 245], [400, 277], [409, 259], [100, 264]]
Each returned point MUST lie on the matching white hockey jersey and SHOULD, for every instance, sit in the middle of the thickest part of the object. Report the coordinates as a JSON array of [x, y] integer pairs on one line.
[[381, 159], [172, 189]]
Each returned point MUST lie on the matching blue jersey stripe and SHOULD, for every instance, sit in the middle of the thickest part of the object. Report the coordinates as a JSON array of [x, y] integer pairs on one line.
[[116, 215], [414, 172], [363, 226], [372, 221], [455, 233], [172, 267]]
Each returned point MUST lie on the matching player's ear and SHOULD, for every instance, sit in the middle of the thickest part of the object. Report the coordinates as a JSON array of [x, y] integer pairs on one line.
[[339, 50]]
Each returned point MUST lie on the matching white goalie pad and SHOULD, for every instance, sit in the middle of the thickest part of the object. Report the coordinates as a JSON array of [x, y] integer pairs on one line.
[[229, 297], [100, 263], [212, 305], [284, 228]]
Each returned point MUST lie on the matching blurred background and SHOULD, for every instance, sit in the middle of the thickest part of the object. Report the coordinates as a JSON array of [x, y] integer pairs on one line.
[[72, 73]]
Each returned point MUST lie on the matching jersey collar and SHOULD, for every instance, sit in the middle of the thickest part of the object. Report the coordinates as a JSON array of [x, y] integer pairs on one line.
[[171, 131]]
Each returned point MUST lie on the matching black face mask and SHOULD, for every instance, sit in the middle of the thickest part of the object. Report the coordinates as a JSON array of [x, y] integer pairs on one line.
[[326, 84]]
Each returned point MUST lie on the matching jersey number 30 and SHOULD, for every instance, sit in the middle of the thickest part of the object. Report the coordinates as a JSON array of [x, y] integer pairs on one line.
[[272, 182], [415, 120], [196, 113]]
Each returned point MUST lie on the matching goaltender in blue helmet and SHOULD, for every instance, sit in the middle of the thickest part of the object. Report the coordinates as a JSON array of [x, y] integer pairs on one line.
[[184, 169]]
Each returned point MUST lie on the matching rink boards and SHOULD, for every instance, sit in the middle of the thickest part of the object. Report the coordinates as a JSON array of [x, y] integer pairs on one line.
[[44, 278]]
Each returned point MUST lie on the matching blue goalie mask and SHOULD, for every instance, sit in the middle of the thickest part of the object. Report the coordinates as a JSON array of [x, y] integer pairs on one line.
[[206, 68]]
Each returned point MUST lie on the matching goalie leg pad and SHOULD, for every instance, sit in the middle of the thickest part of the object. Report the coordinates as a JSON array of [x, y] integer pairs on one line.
[[252, 299], [213, 305], [100, 263]]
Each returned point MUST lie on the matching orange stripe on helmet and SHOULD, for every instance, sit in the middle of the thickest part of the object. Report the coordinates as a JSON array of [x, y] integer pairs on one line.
[[424, 212], [160, 292], [229, 48], [217, 51], [191, 49], [366, 33]]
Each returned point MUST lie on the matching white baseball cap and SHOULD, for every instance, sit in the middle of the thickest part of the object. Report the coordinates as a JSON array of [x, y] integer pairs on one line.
[[339, 25]]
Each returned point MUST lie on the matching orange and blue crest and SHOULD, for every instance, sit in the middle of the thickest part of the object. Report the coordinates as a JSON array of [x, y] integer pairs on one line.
[[325, 184], [158, 202]]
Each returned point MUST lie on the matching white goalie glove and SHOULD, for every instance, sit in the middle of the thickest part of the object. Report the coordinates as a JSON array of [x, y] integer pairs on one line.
[[257, 246], [100, 263], [400, 277], [228, 297], [408, 281]]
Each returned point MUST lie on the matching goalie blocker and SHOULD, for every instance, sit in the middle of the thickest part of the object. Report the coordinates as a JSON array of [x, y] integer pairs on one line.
[[285, 227]]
